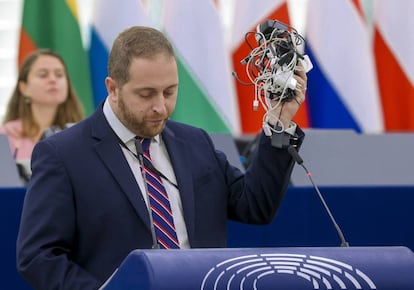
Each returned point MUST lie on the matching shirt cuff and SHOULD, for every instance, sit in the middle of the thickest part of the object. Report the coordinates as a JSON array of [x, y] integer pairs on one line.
[[292, 129]]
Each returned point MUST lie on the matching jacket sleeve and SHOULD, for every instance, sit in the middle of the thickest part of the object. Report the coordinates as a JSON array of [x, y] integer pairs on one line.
[[47, 229], [257, 198]]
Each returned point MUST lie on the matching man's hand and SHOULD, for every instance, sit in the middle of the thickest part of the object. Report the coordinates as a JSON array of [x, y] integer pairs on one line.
[[285, 111]]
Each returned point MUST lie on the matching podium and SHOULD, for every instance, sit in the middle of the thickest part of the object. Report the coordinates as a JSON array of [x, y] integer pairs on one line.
[[380, 268]]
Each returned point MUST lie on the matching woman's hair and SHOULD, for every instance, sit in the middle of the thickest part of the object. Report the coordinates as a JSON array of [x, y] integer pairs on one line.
[[70, 111], [133, 42]]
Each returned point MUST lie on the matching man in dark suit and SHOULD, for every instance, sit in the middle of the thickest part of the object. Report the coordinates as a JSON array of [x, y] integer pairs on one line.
[[86, 205]]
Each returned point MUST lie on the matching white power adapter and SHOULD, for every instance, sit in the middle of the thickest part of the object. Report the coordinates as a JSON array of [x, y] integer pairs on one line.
[[306, 63]]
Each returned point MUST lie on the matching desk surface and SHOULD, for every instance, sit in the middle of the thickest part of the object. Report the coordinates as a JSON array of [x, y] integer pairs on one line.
[[386, 268]]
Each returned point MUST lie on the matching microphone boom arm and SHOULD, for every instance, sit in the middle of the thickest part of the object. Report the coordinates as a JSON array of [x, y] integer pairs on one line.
[[295, 155]]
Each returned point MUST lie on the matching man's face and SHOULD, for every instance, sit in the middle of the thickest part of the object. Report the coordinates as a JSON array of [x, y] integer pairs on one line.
[[146, 101]]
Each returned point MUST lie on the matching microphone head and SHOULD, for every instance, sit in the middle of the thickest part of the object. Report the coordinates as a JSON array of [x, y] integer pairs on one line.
[[138, 147], [295, 155]]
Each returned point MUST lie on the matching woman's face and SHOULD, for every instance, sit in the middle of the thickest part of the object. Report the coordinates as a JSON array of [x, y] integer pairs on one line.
[[46, 82]]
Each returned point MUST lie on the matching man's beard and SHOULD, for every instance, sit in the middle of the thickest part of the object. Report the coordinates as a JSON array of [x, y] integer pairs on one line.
[[134, 124]]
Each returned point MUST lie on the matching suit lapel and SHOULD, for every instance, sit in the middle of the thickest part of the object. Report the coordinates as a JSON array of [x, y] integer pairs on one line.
[[177, 151], [109, 151]]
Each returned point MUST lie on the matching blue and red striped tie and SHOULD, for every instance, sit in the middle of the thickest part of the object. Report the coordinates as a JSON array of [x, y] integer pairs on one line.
[[160, 205]]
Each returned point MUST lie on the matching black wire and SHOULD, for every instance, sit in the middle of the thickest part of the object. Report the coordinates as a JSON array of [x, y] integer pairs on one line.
[[147, 164]]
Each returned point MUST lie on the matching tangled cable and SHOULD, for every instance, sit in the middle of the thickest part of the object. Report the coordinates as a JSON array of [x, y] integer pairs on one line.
[[272, 62]]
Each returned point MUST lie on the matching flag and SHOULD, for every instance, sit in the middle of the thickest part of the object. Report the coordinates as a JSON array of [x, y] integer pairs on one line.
[[54, 25], [342, 86], [248, 14], [109, 19], [394, 47], [206, 94]]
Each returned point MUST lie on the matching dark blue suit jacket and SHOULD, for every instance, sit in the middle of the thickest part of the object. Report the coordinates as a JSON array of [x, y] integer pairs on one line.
[[83, 211]]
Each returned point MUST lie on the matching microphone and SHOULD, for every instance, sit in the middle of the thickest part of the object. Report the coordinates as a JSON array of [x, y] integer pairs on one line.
[[140, 153], [24, 175], [296, 157]]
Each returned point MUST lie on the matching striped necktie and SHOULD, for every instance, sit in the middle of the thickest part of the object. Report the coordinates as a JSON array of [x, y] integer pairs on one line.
[[159, 203]]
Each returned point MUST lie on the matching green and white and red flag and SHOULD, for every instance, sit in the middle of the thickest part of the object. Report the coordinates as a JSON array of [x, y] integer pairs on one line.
[[54, 25], [206, 95]]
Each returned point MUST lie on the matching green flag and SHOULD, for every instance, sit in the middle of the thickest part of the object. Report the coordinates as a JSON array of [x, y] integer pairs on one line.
[[54, 24]]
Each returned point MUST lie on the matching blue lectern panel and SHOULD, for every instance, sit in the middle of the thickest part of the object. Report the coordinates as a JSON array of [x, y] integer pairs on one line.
[[267, 268]]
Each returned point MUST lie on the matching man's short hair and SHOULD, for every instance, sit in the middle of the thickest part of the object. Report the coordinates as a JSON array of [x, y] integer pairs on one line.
[[136, 41]]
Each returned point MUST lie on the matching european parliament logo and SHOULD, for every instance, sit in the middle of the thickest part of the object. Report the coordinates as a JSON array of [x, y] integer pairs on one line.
[[295, 270]]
